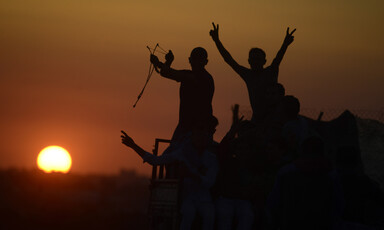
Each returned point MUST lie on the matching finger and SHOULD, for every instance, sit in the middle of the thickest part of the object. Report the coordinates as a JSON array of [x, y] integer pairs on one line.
[[217, 28], [123, 133], [287, 30], [214, 27], [293, 32]]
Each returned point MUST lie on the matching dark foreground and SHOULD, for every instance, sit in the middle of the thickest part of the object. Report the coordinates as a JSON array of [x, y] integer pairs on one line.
[[35, 200]]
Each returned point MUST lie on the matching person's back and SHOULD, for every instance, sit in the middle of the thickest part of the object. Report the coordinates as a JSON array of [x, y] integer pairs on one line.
[[257, 85], [257, 78], [196, 98], [196, 90]]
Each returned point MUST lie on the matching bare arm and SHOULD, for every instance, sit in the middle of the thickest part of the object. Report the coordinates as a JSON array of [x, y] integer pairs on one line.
[[287, 41], [166, 70], [224, 53], [128, 141], [146, 156]]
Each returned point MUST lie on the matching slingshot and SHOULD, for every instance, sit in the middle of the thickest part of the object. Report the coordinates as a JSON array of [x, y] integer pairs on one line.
[[150, 71]]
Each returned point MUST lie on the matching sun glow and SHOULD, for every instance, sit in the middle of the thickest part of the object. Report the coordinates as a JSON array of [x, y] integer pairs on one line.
[[54, 159]]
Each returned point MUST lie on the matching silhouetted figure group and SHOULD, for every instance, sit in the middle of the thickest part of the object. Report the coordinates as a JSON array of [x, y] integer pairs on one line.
[[269, 172]]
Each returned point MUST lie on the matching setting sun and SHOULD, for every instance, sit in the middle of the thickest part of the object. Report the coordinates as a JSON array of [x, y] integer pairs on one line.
[[54, 159]]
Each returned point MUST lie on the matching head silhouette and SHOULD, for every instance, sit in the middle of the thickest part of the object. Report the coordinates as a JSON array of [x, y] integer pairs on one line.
[[198, 58], [274, 94], [202, 132], [291, 107], [256, 58]]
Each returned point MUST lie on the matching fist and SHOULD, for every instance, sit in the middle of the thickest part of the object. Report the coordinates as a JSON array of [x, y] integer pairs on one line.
[[154, 60], [169, 57]]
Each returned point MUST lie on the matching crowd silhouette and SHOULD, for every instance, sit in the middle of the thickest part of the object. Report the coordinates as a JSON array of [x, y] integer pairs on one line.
[[269, 172]]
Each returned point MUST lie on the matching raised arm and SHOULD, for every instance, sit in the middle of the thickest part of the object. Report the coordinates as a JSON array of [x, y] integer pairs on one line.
[[166, 70], [287, 41], [146, 156], [224, 53], [128, 141]]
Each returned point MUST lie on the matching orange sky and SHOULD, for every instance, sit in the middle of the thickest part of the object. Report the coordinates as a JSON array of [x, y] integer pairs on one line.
[[71, 70]]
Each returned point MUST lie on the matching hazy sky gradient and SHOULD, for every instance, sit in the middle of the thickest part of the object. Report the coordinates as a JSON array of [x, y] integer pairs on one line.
[[71, 70]]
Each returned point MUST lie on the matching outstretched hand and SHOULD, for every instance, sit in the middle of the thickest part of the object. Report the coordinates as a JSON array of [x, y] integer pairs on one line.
[[289, 37], [169, 58], [127, 140], [215, 32]]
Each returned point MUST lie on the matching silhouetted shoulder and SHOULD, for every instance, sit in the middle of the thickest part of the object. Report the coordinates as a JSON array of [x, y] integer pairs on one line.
[[242, 71], [192, 76], [182, 75], [245, 73]]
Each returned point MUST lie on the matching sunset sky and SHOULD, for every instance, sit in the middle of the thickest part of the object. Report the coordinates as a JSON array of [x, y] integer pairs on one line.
[[71, 70]]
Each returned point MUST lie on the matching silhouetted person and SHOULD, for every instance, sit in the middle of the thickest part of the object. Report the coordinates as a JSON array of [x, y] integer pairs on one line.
[[236, 188], [295, 128], [291, 108], [274, 111], [307, 193], [198, 167], [274, 95], [257, 78], [196, 90]]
